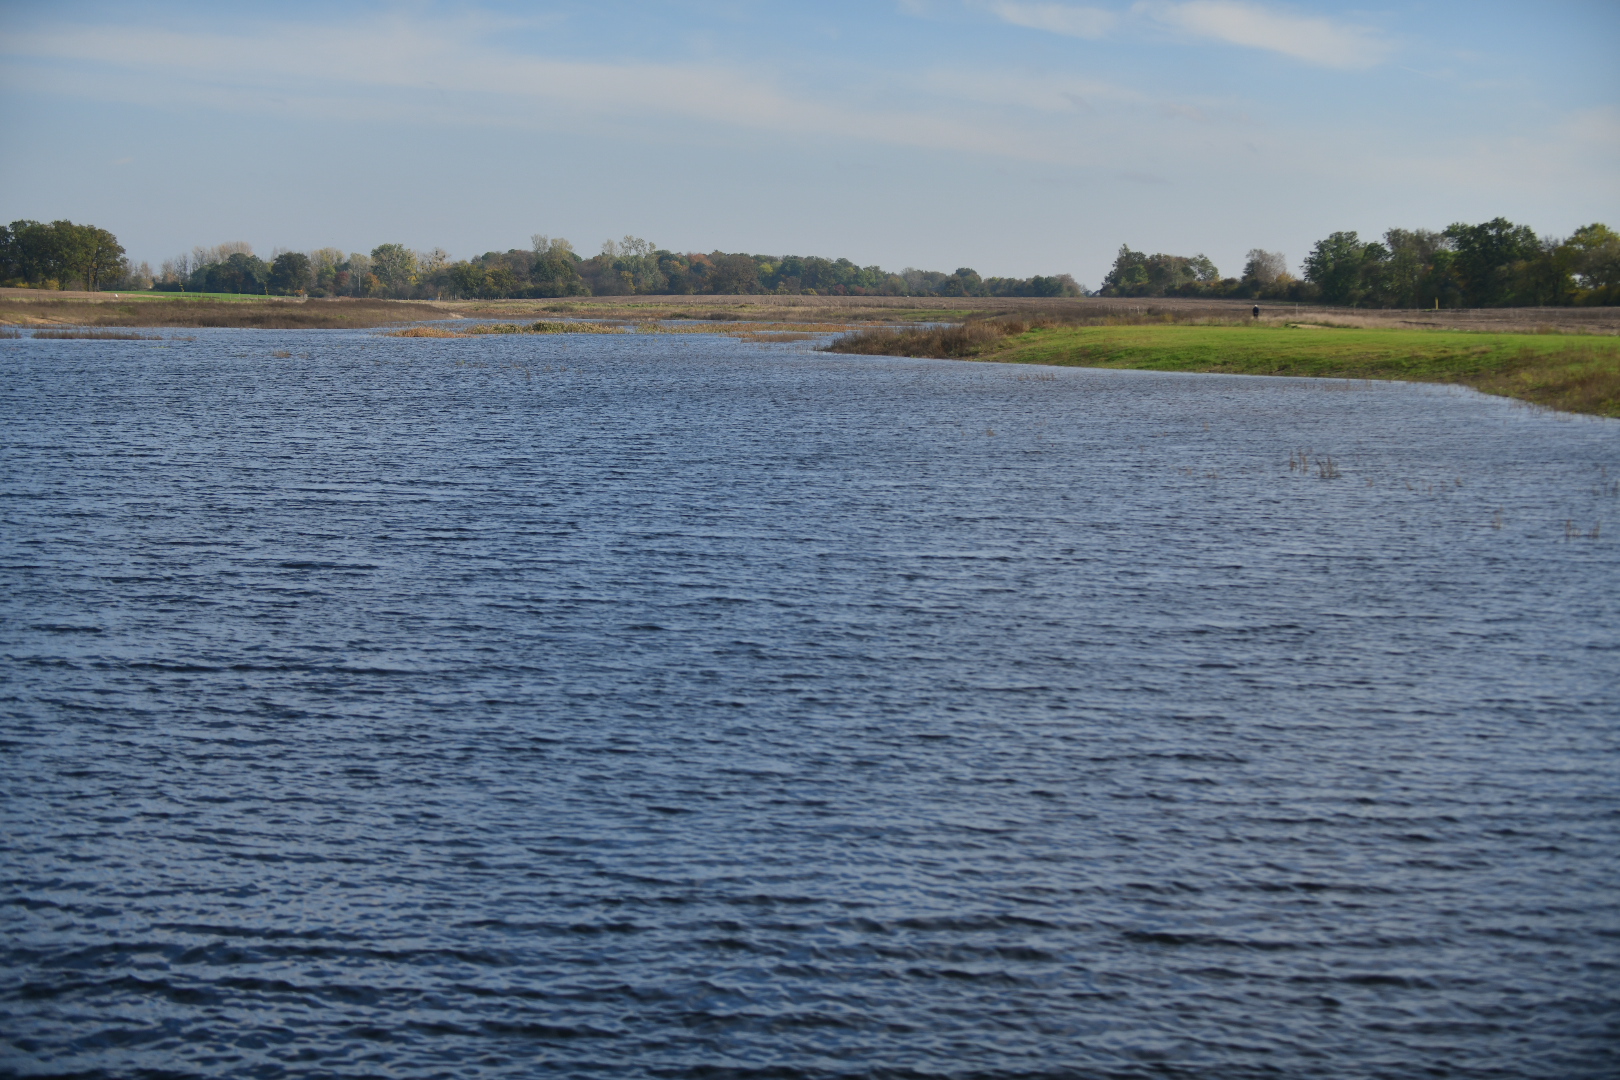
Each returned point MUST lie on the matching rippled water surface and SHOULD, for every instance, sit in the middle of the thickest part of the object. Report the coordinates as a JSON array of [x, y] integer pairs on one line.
[[670, 706]]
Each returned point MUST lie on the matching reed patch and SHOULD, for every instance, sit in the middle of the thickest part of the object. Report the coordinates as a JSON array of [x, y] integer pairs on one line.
[[96, 335]]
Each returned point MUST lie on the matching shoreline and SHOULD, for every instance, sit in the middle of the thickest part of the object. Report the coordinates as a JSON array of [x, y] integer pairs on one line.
[[1560, 358], [1578, 373]]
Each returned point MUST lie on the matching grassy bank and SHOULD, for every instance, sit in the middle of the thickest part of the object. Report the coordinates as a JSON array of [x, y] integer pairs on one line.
[[1573, 372]]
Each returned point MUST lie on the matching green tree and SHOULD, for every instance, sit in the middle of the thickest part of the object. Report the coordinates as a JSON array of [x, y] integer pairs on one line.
[[1136, 274], [467, 280], [90, 253], [1594, 258], [39, 254], [1342, 266], [734, 274], [396, 267], [239, 273], [1490, 260], [1129, 274], [290, 273], [1414, 274]]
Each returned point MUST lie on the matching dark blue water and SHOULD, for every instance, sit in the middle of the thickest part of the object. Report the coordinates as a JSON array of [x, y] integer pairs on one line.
[[670, 707]]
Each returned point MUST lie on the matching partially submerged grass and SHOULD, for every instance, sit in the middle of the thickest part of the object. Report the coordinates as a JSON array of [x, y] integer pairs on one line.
[[961, 341], [485, 329], [95, 335], [1576, 373], [746, 331]]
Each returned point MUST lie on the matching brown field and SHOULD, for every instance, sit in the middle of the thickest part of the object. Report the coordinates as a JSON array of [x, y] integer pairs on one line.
[[28, 307], [906, 309], [37, 309]]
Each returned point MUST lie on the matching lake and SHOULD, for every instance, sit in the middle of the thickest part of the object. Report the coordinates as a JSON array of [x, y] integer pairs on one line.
[[670, 706]]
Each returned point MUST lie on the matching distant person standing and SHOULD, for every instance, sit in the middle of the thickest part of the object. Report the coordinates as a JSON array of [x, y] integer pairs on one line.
[[1257, 311]]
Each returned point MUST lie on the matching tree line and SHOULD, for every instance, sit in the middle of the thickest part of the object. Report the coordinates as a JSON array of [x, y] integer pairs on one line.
[[62, 255], [1493, 264], [551, 267]]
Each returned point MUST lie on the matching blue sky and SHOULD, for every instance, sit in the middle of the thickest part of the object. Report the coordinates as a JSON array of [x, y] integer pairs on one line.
[[1013, 137]]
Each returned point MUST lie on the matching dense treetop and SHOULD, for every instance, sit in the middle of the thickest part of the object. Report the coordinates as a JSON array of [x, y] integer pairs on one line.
[[551, 268], [58, 254], [1494, 264]]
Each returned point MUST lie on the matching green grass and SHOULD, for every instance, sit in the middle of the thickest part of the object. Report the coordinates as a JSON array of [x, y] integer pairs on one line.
[[154, 294], [1573, 372]]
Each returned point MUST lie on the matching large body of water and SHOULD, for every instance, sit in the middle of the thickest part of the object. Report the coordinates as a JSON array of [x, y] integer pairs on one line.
[[660, 706]]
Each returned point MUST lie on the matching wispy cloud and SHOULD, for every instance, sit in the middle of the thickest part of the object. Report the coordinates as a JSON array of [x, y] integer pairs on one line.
[[1036, 93], [421, 71], [1314, 39], [1067, 19]]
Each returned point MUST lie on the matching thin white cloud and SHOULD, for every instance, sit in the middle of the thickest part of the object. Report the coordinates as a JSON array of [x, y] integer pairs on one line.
[[1045, 94], [1067, 19], [1100, 104], [1314, 39], [419, 71]]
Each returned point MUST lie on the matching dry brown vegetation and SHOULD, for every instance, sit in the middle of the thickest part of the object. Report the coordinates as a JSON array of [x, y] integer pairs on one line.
[[951, 341], [1080, 312], [34, 307], [255, 314]]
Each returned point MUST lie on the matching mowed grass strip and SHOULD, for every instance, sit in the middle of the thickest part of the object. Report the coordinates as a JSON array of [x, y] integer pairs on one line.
[[1571, 372]]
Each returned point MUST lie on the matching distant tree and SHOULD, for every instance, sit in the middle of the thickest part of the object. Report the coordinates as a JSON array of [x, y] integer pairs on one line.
[[432, 278], [734, 274], [1594, 258], [173, 273], [29, 254], [323, 270], [1489, 260], [1340, 266], [1136, 274], [500, 281], [1264, 266], [290, 273], [133, 278], [360, 276], [206, 256], [555, 271], [1129, 274], [59, 254], [467, 280], [1263, 269], [1416, 272], [239, 273], [396, 266], [91, 253]]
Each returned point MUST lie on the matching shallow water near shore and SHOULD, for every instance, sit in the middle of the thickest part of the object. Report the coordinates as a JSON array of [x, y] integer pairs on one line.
[[651, 706]]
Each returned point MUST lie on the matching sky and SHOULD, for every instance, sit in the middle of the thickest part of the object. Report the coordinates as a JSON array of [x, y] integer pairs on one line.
[[1015, 137]]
